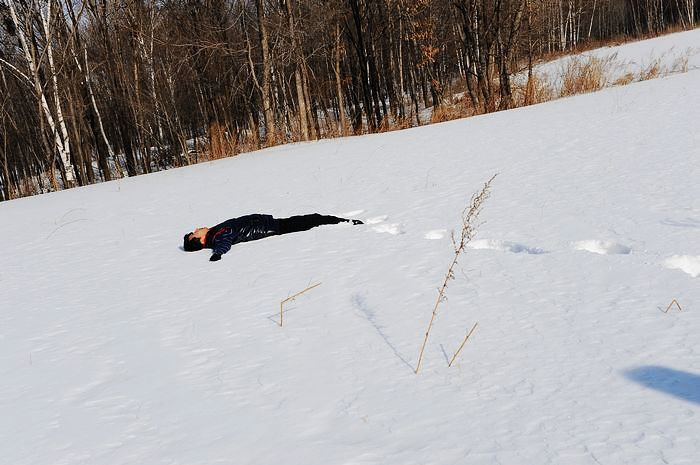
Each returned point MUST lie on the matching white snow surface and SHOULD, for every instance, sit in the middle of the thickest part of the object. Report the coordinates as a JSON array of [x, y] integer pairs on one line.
[[602, 247], [670, 54], [116, 347], [687, 263]]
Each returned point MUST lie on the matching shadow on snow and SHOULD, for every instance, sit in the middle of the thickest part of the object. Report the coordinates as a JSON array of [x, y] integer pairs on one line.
[[677, 383]]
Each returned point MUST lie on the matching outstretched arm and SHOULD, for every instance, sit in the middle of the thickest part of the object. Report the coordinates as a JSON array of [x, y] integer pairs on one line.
[[221, 244]]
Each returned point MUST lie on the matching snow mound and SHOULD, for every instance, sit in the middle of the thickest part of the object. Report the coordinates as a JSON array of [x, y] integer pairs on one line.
[[602, 247], [352, 213], [376, 219], [688, 263], [504, 246], [435, 234], [393, 228]]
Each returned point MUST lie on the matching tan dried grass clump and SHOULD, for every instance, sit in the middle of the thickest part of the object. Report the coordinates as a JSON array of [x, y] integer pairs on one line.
[[220, 143], [652, 71], [535, 90], [680, 65], [628, 78], [403, 123], [451, 111], [584, 75]]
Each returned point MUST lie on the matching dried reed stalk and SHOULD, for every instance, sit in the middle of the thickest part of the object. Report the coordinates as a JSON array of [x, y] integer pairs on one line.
[[288, 299], [463, 342], [469, 216], [674, 301]]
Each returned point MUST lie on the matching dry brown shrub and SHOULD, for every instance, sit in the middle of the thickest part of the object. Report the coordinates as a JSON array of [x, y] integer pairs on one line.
[[535, 90], [333, 129], [402, 123], [294, 134], [275, 138], [624, 80], [652, 71], [680, 65], [448, 112], [385, 125], [584, 75], [247, 143], [390, 124], [541, 91], [220, 143]]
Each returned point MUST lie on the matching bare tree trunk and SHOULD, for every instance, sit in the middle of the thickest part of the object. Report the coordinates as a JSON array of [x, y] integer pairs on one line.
[[77, 49], [590, 25], [298, 80], [342, 120], [312, 116], [267, 75], [402, 85], [7, 192]]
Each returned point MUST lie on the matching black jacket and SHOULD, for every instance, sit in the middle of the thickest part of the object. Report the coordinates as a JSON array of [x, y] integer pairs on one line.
[[246, 228]]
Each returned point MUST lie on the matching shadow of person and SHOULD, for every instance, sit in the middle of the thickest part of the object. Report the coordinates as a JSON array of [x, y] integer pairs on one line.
[[677, 383]]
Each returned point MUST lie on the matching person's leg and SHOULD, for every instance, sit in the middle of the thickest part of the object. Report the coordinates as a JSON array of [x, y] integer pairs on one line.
[[306, 222]]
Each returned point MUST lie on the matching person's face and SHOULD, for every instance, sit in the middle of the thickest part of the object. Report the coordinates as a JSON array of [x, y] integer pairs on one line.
[[199, 233]]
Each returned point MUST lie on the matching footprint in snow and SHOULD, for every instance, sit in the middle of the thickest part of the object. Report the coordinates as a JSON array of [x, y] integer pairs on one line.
[[505, 246], [688, 263], [602, 247]]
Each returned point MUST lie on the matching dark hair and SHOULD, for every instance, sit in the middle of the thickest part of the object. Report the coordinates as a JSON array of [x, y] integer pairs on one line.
[[192, 244]]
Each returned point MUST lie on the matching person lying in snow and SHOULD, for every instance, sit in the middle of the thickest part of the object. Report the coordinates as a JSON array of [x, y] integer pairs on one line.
[[221, 237]]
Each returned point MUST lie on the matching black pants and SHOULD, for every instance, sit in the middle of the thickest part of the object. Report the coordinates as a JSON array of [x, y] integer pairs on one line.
[[305, 222]]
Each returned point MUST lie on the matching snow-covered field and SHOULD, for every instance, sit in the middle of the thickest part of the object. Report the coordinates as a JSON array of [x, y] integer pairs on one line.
[[116, 347], [661, 56]]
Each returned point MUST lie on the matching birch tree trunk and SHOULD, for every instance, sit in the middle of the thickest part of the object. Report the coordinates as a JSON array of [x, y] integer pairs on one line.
[[64, 152], [61, 145]]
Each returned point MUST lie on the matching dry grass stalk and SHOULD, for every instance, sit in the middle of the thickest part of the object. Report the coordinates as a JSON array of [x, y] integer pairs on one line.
[[289, 299], [463, 343], [680, 65], [469, 217], [674, 301]]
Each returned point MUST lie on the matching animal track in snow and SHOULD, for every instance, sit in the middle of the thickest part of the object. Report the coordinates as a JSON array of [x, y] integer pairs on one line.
[[602, 247], [376, 219], [505, 246], [688, 263], [435, 234], [393, 228]]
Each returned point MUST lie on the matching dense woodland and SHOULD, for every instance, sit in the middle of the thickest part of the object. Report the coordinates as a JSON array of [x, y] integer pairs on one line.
[[93, 90]]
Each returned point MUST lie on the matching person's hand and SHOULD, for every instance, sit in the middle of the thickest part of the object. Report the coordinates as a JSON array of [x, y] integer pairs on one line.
[[215, 257]]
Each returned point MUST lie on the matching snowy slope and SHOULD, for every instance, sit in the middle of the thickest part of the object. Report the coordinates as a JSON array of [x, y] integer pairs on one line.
[[669, 54], [118, 348]]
